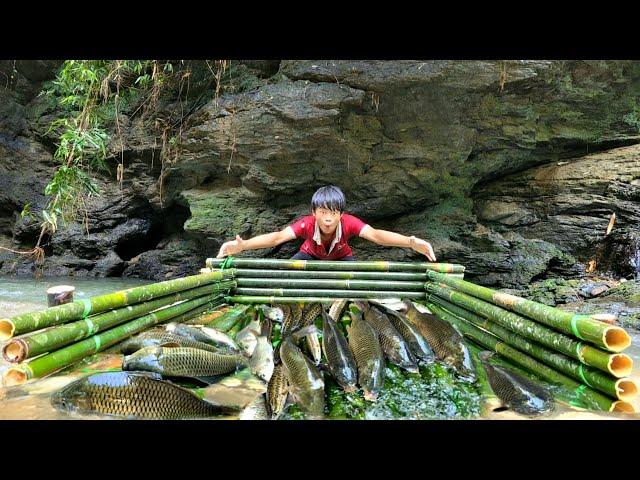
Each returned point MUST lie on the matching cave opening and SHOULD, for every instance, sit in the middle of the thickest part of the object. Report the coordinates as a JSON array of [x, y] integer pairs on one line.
[[169, 221]]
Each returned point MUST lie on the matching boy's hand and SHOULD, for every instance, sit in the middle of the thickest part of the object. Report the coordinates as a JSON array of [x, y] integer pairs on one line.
[[231, 247], [423, 247]]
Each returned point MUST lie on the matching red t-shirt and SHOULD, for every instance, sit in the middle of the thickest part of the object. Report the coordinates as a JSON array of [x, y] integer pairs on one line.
[[306, 228]]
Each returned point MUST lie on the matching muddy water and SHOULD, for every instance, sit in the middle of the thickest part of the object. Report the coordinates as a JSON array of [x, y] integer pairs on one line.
[[32, 400]]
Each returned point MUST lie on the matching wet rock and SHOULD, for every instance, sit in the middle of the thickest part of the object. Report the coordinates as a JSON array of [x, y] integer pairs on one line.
[[419, 147]]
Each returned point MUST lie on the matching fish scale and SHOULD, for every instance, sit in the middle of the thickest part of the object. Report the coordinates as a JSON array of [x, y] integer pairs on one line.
[[393, 345], [292, 322], [341, 362], [207, 335], [306, 383], [157, 337], [277, 392], [132, 394], [516, 392], [364, 343], [309, 314], [336, 308], [182, 362], [445, 340], [417, 344], [287, 319]]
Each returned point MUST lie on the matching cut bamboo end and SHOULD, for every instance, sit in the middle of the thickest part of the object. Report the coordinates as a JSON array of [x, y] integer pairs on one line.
[[626, 389], [6, 329], [15, 376], [624, 407], [620, 365], [616, 339], [15, 351]]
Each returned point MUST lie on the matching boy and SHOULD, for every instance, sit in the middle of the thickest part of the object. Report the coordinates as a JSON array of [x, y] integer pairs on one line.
[[326, 232]]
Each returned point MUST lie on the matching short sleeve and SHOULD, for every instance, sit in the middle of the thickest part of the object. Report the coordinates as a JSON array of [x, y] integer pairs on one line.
[[352, 225], [299, 227]]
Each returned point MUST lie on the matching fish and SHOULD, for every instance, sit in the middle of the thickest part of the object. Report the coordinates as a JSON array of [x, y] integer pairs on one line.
[[207, 335], [447, 343], [364, 343], [291, 322], [262, 363], [515, 391], [160, 337], [286, 319], [272, 313], [277, 392], [335, 311], [393, 345], [415, 341], [309, 314], [247, 338], [182, 362], [133, 395], [340, 360], [306, 384]]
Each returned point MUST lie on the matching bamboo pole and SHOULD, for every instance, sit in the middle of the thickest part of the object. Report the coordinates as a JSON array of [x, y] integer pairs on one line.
[[79, 309], [584, 327], [616, 364], [251, 299], [341, 275], [621, 388], [302, 292], [375, 266], [594, 398], [31, 345], [51, 362], [304, 283]]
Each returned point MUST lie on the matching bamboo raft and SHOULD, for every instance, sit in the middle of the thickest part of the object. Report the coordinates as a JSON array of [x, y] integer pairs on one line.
[[580, 352]]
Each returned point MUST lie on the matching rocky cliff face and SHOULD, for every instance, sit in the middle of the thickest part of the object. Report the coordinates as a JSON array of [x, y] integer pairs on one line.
[[511, 168]]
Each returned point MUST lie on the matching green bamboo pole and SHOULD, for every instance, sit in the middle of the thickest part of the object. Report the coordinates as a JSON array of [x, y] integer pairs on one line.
[[251, 299], [376, 266], [623, 388], [301, 292], [618, 364], [79, 309], [341, 275], [584, 327], [31, 345], [51, 362], [304, 283], [489, 341], [226, 321]]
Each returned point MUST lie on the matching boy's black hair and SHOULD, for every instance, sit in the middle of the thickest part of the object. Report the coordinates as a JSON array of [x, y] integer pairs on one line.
[[330, 197]]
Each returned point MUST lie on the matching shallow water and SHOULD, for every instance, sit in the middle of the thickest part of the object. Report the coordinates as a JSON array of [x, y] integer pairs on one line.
[[32, 400]]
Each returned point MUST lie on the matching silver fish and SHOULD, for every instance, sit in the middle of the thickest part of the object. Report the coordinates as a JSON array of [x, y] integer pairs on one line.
[[261, 361]]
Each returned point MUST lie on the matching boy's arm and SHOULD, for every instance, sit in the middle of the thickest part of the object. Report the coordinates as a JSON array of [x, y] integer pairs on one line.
[[267, 240], [392, 239]]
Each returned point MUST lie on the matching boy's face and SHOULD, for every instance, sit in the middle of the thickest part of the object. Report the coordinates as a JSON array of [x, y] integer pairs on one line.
[[327, 220]]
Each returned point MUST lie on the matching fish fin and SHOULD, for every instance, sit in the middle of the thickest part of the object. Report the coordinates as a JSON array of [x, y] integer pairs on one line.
[[169, 345], [302, 332], [153, 375], [208, 380]]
